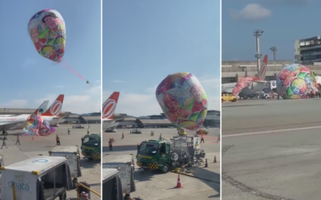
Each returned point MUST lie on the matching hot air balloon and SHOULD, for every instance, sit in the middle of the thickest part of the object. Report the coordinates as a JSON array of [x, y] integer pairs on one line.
[[296, 81], [183, 100], [37, 126], [48, 34]]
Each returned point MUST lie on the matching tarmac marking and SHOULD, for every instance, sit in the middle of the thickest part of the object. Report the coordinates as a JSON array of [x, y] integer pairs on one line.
[[273, 131]]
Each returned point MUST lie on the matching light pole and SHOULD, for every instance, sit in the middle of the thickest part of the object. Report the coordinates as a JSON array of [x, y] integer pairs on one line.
[[258, 34], [274, 49]]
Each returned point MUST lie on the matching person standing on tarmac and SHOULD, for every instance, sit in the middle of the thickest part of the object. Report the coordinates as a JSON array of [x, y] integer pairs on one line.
[[122, 136], [18, 140], [68, 131], [111, 141], [202, 138], [4, 142], [83, 189], [88, 131], [57, 140]]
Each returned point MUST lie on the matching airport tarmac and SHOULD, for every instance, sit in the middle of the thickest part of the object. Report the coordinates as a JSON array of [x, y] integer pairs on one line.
[[271, 150], [156, 186], [41, 145]]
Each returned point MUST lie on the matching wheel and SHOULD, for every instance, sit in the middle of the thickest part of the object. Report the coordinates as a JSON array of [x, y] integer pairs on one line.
[[174, 156], [63, 196], [90, 158], [165, 168]]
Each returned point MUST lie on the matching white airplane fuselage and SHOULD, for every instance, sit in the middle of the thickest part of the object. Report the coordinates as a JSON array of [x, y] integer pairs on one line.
[[253, 88], [228, 87], [13, 122]]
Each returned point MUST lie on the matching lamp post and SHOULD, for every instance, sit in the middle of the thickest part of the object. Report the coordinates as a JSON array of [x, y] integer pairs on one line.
[[258, 34]]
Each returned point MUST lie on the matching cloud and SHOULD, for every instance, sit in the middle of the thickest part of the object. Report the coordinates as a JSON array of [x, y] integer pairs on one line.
[[118, 81], [251, 12], [18, 103], [281, 2], [288, 2], [210, 83], [90, 101], [145, 103]]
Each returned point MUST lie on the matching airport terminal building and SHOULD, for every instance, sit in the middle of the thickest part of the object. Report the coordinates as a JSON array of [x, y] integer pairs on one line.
[[157, 121], [233, 70], [306, 51]]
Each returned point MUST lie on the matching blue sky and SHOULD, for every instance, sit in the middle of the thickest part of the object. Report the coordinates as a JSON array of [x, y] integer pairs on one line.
[[283, 21], [28, 78], [144, 41]]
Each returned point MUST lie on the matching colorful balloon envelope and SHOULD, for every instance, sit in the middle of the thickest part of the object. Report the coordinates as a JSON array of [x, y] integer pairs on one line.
[[296, 81], [183, 100], [38, 127], [48, 33]]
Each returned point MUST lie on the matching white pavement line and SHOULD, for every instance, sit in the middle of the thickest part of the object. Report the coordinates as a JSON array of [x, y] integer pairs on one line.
[[272, 131]]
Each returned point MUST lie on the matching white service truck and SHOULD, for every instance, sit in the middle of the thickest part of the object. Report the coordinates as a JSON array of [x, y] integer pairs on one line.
[[73, 159], [37, 178], [112, 189], [125, 165]]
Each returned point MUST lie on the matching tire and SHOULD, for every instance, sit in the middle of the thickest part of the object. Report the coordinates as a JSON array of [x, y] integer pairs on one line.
[[165, 168], [174, 156], [63, 196], [90, 158]]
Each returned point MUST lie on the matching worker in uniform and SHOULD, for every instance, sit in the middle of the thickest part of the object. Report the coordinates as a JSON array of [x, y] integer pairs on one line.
[[88, 131], [57, 140], [4, 142], [4, 132], [122, 136], [84, 192], [111, 141], [202, 138], [18, 140], [68, 131]]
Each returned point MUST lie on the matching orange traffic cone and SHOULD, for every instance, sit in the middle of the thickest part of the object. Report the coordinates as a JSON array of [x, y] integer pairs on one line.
[[206, 164], [214, 159], [179, 185]]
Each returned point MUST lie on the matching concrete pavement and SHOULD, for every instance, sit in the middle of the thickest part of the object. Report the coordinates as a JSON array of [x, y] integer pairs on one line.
[[280, 164], [156, 186]]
